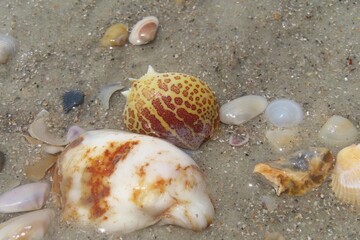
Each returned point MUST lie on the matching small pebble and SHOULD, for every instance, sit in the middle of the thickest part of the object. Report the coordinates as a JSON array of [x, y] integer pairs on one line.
[[72, 99], [2, 160]]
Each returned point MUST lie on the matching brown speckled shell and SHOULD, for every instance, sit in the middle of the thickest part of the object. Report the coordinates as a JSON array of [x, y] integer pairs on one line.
[[174, 106]]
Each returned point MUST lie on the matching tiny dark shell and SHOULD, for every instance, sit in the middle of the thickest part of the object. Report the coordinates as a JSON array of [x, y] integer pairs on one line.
[[2, 160], [72, 99]]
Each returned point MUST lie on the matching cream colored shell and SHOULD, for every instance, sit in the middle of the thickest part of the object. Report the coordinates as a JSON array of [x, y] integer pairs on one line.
[[346, 176]]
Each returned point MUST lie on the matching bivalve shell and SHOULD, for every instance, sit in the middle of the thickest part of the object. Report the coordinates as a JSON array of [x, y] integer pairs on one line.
[[284, 113], [7, 48], [115, 36], [144, 31], [346, 175], [242, 109], [338, 131]]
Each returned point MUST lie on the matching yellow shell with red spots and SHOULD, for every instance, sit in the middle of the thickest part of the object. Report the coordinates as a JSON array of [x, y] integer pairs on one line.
[[174, 106]]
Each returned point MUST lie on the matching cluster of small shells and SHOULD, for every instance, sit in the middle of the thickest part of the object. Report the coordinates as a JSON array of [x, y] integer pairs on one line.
[[142, 33]]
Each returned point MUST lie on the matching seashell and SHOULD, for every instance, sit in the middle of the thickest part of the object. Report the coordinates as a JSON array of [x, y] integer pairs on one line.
[[115, 36], [282, 139], [51, 149], [73, 133], [38, 130], [346, 175], [144, 31], [7, 48], [238, 138], [2, 160], [284, 113], [338, 131], [37, 171], [175, 106], [122, 182], [242, 109], [106, 92], [24, 198], [33, 225], [72, 99], [299, 172]]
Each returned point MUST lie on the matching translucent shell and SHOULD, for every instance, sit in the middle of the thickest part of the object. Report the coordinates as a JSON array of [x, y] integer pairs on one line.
[[115, 36], [346, 175], [7, 48], [144, 31], [242, 109], [298, 173], [175, 106], [284, 113], [122, 182], [338, 131]]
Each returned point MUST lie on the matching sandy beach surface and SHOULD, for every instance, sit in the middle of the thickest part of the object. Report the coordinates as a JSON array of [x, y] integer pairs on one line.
[[307, 51]]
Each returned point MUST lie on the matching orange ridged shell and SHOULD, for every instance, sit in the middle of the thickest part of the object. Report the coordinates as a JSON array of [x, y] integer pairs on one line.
[[174, 106], [346, 176]]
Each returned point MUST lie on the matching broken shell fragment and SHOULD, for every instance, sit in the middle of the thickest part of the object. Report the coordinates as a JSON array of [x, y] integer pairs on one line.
[[7, 48], [238, 138], [33, 225], [106, 92], [38, 130], [74, 132], [122, 182], [346, 175], [144, 31], [24, 198], [284, 113], [338, 131], [72, 99], [115, 36], [282, 139], [298, 173], [242, 109], [37, 170]]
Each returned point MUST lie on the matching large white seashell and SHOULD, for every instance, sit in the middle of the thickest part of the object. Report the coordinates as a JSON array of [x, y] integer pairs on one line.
[[284, 113], [144, 31], [33, 225], [122, 182], [7, 48], [346, 175], [26, 197], [338, 131], [242, 109]]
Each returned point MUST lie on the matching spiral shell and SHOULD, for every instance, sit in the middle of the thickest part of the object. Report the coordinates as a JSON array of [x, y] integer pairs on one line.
[[177, 107], [284, 113], [7, 48]]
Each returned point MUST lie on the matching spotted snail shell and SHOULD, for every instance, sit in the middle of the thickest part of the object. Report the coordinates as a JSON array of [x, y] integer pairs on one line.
[[175, 106]]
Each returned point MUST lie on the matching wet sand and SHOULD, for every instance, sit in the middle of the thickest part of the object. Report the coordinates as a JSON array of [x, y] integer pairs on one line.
[[299, 50]]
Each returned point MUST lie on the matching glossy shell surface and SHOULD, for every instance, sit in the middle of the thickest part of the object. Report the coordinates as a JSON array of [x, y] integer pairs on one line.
[[242, 109], [115, 36], [174, 106], [346, 175], [284, 113], [7, 48], [144, 31], [122, 182], [299, 172], [338, 131]]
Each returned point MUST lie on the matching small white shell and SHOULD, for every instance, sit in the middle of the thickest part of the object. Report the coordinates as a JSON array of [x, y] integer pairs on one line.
[[24, 198], [242, 109], [7, 48], [106, 92], [38, 130], [338, 131], [284, 113], [144, 31], [74, 132], [282, 139], [33, 225]]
